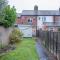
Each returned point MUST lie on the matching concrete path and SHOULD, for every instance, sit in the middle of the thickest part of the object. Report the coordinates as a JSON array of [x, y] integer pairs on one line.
[[40, 50]]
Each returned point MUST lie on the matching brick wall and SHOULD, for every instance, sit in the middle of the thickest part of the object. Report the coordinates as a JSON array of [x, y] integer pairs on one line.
[[24, 20], [57, 18]]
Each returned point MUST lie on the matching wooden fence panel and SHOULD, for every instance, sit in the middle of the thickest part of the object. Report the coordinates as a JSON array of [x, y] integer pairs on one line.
[[51, 41]]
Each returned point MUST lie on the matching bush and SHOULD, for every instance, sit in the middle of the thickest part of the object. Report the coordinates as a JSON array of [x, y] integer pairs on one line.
[[9, 16], [15, 36], [1, 45]]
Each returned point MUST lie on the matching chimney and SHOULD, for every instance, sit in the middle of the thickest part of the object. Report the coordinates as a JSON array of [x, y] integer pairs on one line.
[[36, 9]]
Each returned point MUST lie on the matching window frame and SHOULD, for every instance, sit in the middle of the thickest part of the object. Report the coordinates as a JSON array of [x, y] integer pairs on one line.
[[44, 18], [29, 20]]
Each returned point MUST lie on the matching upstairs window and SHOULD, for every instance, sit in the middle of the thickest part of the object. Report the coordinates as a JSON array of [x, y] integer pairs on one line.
[[39, 18], [43, 18], [30, 20]]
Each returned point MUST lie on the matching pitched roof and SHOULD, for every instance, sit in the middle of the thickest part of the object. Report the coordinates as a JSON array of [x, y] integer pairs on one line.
[[40, 12]]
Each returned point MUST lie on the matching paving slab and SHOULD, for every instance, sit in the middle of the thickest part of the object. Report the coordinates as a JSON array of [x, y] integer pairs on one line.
[[43, 53], [40, 50]]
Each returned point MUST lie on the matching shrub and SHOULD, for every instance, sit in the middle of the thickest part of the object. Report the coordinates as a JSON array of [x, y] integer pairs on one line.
[[15, 36], [9, 16], [1, 45]]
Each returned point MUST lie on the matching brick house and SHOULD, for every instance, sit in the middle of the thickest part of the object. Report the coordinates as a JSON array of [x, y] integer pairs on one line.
[[26, 20], [43, 19]]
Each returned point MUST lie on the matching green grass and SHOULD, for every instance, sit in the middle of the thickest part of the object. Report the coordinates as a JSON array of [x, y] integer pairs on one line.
[[25, 51]]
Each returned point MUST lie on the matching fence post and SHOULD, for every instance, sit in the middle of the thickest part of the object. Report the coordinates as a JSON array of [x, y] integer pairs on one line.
[[45, 38], [53, 42], [56, 43], [50, 41], [58, 46]]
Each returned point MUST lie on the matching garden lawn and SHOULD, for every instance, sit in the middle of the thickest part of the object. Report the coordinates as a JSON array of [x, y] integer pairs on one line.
[[25, 50]]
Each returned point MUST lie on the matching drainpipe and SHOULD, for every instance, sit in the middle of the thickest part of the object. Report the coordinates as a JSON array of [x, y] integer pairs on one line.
[[36, 13], [54, 19]]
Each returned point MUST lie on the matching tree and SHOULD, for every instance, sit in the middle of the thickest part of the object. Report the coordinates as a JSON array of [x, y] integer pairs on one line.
[[9, 16], [3, 4]]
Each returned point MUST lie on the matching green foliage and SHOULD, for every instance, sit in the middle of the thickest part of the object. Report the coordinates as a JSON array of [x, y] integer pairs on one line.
[[3, 4], [9, 16], [1, 45], [26, 50], [15, 36]]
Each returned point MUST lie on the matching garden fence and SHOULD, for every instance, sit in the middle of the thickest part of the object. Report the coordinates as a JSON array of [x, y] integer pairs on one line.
[[51, 40]]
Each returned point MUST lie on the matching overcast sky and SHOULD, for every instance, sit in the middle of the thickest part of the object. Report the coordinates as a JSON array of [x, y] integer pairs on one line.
[[29, 4]]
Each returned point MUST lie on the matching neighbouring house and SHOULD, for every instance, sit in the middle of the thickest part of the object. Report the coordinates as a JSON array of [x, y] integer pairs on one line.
[[39, 19], [48, 20]]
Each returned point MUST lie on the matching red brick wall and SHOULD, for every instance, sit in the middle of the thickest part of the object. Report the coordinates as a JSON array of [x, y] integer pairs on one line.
[[24, 20], [57, 18]]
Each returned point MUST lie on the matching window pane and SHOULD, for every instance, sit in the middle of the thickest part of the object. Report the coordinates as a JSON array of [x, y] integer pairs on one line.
[[28, 20], [44, 18], [39, 18]]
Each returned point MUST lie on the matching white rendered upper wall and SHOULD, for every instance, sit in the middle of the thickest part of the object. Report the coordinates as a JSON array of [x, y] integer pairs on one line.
[[41, 19]]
